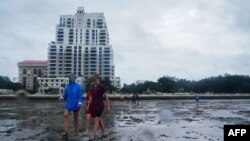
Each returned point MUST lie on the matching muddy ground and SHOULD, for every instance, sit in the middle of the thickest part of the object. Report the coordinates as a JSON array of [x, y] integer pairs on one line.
[[159, 120]]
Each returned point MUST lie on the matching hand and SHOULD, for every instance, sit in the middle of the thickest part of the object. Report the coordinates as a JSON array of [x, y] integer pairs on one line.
[[108, 108], [59, 100], [78, 105], [87, 107]]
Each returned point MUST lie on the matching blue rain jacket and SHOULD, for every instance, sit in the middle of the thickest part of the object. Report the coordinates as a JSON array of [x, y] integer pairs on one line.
[[197, 97], [73, 95]]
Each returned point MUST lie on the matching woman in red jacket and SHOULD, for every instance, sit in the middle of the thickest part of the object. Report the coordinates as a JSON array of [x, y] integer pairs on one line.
[[89, 112]]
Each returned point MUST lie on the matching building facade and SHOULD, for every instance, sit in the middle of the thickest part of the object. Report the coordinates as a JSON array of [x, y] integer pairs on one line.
[[81, 47], [57, 84], [6, 91], [117, 82], [29, 71]]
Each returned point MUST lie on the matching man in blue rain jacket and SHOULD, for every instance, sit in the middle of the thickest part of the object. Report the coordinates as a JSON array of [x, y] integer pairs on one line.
[[73, 95]]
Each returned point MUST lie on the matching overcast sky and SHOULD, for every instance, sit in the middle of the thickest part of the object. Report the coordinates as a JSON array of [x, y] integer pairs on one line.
[[190, 39]]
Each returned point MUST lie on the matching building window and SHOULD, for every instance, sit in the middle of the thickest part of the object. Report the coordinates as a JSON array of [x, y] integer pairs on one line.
[[35, 71], [39, 73], [24, 71], [52, 57], [52, 53]]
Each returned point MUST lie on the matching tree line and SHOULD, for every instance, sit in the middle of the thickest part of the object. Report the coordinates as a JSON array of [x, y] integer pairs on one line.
[[106, 82], [6, 83], [218, 84]]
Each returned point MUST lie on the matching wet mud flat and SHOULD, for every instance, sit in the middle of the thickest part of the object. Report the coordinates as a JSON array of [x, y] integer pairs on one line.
[[151, 120]]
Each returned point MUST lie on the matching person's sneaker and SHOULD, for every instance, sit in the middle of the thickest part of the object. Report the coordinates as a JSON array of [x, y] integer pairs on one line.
[[86, 132], [64, 134], [104, 135]]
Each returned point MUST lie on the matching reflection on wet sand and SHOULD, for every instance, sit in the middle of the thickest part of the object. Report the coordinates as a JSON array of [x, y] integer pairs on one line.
[[176, 120]]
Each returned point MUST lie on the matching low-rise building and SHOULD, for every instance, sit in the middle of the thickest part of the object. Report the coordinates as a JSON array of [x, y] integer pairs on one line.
[[6, 91], [57, 85], [29, 71], [117, 82]]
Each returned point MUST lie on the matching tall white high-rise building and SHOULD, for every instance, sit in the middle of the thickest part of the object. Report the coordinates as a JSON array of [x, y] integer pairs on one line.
[[81, 47]]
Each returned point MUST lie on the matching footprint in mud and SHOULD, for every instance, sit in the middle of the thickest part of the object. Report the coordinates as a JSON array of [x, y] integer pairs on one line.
[[196, 132], [125, 117], [151, 117], [189, 119], [163, 135], [137, 120], [221, 128], [187, 137]]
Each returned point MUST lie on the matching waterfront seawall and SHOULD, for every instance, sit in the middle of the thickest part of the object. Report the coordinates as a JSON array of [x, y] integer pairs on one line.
[[129, 97]]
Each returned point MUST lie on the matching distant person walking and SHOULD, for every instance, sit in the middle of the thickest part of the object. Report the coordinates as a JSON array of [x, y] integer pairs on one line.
[[133, 99], [73, 95], [96, 101], [137, 99]]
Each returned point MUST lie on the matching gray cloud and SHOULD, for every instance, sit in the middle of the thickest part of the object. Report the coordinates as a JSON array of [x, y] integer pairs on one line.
[[187, 39]]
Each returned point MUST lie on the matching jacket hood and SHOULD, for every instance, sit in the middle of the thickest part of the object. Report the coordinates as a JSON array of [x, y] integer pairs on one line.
[[74, 78]]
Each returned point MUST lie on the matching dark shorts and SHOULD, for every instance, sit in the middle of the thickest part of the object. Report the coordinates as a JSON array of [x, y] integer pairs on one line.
[[97, 112], [77, 110]]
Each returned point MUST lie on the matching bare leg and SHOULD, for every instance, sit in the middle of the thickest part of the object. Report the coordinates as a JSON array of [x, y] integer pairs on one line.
[[66, 120], [96, 124], [87, 122], [76, 121], [102, 126]]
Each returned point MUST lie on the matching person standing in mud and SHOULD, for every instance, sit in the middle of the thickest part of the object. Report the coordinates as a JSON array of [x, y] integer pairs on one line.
[[197, 98], [97, 104], [133, 99], [73, 95], [137, 99], [88, 112]]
